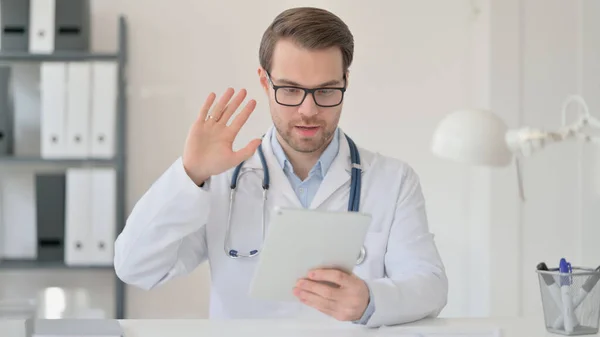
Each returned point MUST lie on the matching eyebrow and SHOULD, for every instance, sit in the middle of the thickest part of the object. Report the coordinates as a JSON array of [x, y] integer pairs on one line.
[[296, 84]]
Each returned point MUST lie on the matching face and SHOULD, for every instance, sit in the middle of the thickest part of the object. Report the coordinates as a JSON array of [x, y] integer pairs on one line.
[[307, 127]]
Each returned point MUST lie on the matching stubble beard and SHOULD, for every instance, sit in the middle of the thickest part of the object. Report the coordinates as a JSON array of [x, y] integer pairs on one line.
[[305, 145]]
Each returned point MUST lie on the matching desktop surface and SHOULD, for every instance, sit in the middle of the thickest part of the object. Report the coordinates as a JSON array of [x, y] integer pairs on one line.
[[440, 327]]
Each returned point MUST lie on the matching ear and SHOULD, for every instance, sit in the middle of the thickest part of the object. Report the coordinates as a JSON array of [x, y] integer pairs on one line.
[[347, 78], [262, 77]]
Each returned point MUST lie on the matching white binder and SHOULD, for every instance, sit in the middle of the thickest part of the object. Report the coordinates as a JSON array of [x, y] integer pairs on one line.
[[78, 109], [103, 215], [42, 22], [77, 216], [53, 78], [104, 103], [90, 216], [19, 235], [27, 106], [2, 235]]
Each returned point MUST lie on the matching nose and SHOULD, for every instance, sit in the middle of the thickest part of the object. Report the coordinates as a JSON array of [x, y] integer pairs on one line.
[[308, 107]]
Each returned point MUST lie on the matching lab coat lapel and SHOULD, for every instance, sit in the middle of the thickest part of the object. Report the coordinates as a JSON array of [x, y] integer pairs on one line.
[[338, 174], [280, 191]]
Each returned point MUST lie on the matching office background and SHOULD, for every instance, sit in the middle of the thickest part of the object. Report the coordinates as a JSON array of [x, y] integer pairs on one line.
[[415, 61]]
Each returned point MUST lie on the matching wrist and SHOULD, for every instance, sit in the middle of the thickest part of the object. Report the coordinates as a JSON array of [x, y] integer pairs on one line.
[[198, 179]]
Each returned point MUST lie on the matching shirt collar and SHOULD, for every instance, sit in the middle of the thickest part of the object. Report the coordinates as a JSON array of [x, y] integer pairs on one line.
[[322, 164]]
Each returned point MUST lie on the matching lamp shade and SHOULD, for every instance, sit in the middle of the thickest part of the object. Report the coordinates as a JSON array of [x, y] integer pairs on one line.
[[475, 137]]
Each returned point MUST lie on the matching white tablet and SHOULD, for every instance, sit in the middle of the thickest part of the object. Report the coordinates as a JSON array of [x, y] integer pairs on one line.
[[299, 240]]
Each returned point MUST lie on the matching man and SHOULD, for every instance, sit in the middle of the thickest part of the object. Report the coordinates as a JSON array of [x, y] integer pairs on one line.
[[182, 220]]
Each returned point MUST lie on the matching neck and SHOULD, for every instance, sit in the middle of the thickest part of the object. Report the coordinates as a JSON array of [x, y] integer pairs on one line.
[[302, 162]]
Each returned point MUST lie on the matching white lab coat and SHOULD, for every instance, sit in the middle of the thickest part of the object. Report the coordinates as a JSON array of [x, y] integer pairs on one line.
[[177, 225]]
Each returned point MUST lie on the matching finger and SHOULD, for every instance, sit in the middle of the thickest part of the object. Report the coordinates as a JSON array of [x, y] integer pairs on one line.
[[233, 106], [330, 275], [206, 106], [320, 289], [242, 117], [315, 301], [218, 109], [328, 307], [247, 151]]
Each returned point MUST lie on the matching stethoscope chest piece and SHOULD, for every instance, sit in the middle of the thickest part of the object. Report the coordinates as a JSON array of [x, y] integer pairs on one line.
[[361, 256]]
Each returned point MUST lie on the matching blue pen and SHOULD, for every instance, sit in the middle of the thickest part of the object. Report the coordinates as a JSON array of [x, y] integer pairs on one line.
[[565, 285], [565, 270]]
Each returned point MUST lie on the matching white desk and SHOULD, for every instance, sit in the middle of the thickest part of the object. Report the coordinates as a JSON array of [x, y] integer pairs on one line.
[[285, 328]]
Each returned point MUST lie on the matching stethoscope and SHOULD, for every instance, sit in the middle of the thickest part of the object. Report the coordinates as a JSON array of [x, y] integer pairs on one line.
[[353, 202]]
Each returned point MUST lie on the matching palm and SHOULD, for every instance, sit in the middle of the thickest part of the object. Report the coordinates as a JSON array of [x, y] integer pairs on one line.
[[209, 146], [221, 151]]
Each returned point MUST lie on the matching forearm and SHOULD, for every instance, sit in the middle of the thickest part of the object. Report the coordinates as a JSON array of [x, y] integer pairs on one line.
[[164, 235], [417, 295]]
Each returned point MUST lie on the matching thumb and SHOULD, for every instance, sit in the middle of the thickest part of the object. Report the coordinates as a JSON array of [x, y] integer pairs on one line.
[[248, 150]]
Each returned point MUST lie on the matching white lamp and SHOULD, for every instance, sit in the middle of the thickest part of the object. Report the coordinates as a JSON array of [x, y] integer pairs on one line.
[[479, 137], [472, 137]]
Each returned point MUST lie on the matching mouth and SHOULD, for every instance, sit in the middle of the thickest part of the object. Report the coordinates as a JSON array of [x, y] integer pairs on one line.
[[307, 130]]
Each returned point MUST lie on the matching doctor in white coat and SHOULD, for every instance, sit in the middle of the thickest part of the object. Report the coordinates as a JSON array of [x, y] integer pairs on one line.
[[181, 221]]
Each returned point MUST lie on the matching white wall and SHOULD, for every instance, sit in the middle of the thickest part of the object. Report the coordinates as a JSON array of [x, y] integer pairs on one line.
[[426, 59], [540, 52], [558, 219]]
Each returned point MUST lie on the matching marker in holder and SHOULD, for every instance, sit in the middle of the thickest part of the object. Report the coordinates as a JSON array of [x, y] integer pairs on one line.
[[579, 287]]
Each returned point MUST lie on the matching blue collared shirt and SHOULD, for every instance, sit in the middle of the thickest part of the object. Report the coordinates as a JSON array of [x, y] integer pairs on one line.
[[306, 190]]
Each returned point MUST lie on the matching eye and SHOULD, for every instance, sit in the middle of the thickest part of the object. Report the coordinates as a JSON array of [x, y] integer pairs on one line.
[[325, 92], [290, 91]]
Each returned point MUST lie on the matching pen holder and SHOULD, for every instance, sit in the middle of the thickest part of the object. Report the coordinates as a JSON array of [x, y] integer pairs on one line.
[[571, 301]]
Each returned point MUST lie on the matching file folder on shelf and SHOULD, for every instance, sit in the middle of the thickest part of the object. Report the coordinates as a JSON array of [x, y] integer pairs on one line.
[[90, 216], [77, 216], [53, 93], [14, 23], [42, 18], [103, 216], [59, 25], [6, 112], [72, 25], [104, 107], [2, 235], [78, 109], [18, 215], [26, 126], [50, 216]]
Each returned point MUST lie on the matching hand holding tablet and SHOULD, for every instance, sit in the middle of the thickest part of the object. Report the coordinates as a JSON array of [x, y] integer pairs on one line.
[[335, 293]]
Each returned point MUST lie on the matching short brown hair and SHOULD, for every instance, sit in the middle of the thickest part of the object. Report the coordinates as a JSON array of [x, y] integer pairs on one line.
[[311, 28]]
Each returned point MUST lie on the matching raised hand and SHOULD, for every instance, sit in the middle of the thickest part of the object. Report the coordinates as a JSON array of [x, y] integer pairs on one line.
[[209, 145], [342, 296]]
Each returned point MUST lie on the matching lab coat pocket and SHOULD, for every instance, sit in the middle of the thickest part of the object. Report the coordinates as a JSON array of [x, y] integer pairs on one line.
[[373, 264]]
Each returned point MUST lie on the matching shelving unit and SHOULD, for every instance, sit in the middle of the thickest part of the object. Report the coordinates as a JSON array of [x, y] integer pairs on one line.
[[57, 56], [34, 264], [118, 162], [8, 160]]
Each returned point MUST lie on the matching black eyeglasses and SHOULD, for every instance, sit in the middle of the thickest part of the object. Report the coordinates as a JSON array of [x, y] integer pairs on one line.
[[294, 96]]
